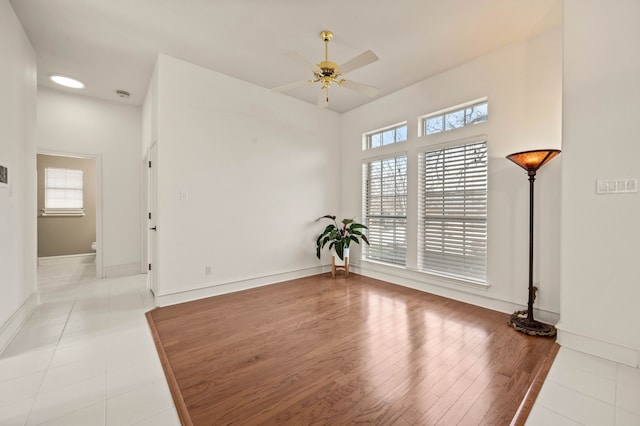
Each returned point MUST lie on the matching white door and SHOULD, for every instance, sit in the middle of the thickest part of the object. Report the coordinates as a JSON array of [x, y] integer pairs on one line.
[[144, 219], [152, 281]]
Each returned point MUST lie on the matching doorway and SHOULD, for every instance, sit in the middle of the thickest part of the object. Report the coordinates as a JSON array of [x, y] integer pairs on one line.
[[69, 213]]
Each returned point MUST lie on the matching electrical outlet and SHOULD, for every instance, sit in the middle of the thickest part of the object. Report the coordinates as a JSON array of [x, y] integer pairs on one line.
[[207, 270]]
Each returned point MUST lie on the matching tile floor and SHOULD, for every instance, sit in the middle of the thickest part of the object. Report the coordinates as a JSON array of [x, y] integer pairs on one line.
[[581, 389], [86, 357]]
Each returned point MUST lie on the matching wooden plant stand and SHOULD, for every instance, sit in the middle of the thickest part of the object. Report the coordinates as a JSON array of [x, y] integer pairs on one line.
[[335, 268]]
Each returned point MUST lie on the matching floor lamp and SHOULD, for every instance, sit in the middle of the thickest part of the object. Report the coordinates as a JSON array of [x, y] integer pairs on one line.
[[523, 321]]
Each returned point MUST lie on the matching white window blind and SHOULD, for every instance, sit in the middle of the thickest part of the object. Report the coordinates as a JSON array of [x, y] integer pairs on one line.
[[63, 189], [385, 209], [452, 234]]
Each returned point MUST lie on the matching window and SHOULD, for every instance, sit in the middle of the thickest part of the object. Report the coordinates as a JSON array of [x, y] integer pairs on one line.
[[63, 191], [455, 118], [452, 216], [385, 209], [386, 136]]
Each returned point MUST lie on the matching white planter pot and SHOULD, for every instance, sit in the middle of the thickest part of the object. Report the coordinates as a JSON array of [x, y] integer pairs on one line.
[[340, 264]]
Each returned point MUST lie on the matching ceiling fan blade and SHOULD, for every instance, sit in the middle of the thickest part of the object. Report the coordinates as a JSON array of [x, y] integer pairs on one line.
[[359, 61], [290, 86], [302, 60], [359, 87], [323, 98]]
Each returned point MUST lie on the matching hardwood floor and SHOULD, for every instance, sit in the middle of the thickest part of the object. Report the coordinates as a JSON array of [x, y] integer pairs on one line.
[[340, 351]]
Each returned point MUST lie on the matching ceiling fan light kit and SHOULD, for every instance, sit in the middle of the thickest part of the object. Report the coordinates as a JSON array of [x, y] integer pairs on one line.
[[328, 72]]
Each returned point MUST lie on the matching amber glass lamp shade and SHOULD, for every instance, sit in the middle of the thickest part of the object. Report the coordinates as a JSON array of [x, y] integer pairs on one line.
[[533, 160]]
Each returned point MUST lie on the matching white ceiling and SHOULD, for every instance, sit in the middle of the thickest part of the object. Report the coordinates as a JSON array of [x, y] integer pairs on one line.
[[113, 44]]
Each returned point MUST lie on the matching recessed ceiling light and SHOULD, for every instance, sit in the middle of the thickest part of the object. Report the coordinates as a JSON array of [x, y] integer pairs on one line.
[[67, 81]]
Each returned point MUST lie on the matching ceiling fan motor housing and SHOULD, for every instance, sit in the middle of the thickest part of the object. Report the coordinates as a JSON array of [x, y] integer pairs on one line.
[[329, 69]]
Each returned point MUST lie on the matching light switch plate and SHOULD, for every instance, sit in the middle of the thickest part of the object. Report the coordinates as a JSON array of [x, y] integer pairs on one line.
[[616, 186]]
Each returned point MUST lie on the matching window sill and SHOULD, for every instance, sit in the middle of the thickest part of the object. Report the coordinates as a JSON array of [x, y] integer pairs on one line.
[[421, 276], [62, 212]]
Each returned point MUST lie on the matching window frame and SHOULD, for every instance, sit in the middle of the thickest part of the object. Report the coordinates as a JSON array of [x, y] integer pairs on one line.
[[397, 243], [466, 232], [368, 136], [442, 114], [75, 210]]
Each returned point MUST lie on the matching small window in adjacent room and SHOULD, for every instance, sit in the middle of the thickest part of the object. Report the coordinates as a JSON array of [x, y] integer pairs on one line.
[[63, 192], [456, 117], [386, 136]]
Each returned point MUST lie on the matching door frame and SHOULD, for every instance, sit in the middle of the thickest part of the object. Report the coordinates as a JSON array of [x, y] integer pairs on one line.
[[144, 218], [150, 239], [98, 160]]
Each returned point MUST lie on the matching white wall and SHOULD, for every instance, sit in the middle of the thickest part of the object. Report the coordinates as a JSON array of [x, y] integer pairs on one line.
[[111, 130], [150, 113], [601, 140], [523, 85], [255, 169], [18, 153]]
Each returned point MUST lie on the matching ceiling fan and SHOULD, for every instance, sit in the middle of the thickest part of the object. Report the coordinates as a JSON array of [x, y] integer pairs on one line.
[[328, 72]]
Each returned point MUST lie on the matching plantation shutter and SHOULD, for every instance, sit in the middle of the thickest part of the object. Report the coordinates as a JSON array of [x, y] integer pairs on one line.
[[385, 209], [452, 213]]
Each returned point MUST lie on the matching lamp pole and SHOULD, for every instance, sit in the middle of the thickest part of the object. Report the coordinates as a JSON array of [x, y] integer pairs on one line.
[[523, 321], [532, 294]]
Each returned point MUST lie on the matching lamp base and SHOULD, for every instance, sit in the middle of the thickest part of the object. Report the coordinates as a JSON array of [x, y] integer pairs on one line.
[[520, 322]]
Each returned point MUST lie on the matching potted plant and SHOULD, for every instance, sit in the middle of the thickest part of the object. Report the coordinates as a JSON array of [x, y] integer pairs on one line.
[[340, 237]]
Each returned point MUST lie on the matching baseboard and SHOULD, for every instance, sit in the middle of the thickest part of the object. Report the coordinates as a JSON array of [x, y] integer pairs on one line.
[[71, 258], [121, 270], [10, 328], [598, 347], [172, 297], [467, 293]]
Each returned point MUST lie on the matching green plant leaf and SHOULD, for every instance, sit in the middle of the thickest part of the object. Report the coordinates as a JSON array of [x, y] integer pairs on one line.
[[329, 228], [347, 221], [358, 225]]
